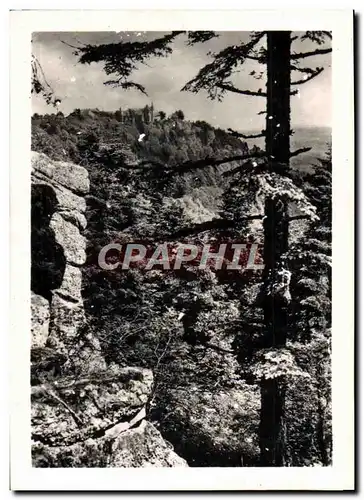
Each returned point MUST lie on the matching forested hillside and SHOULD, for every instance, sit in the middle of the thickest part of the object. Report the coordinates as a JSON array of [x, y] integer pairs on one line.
[[200, 331]]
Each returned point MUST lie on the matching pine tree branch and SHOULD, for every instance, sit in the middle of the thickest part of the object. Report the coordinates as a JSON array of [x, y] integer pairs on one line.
[[235, 170], [213, 162], [203, 226], [69, 45], [299, 151], [303, 55], [318, 37], [302, 70], [211, 224], [262, 59], [200, 36], [234, 133], [305, 80], [189, 166], [121, 59], [218, 348], [230, 88], [222, 66], [298, 217]]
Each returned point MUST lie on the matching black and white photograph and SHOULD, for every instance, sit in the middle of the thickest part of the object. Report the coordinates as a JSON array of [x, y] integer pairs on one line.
[[181, 249]]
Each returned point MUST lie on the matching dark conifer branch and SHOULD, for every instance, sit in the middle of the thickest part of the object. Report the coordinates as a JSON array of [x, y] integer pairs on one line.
[[299, 151], [299, 217], [223, 65], [121, 59], [230, 88], [40, 85], [127, 85], [305, 80], [203, 226], [318, 37], [211, 224], [189, 166], [303, 55], [200, 36], [236, 170], [302, 70], [218, 348], [213, 162], [259, 59], [234, 133], [69, 45]]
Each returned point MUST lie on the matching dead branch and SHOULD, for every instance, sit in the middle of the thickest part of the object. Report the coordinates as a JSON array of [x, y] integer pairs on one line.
[[299, 151], [211, 224], [305, 80], [302, 70], [243, 136], [230, 88], [302, 55], [55, 396], [218, 348], [213, 162], [298, 217]]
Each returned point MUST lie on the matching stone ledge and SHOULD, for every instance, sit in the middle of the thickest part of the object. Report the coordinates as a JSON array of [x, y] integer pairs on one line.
[[69, 175], [69, 409], [142, 446]]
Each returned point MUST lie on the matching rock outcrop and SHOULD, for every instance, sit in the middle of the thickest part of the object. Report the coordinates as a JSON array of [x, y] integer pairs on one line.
[[213, 429], [84, 413], [40, 320], [58, 217]]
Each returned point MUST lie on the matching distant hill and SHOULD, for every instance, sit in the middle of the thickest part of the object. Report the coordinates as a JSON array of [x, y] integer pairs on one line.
[[170, 140], [318, 138]]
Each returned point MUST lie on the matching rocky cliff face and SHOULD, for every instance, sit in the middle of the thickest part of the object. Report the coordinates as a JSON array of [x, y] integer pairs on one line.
[[84, 413]]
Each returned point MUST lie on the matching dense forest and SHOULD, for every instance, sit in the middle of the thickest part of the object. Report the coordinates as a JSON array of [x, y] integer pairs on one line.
[[201, 331]]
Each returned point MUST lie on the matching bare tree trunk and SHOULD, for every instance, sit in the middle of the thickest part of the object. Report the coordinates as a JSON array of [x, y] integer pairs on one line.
[[272, 418], [278, 95]]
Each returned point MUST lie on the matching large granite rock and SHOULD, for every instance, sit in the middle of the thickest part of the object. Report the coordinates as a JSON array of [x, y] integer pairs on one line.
[[142, 446], [84, 413], [40, 320], [71, 409], [59, 187], [213, 429], [70, 176], [98, 421]]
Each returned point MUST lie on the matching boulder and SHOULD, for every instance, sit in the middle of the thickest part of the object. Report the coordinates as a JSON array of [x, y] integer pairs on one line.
[[83, 412], [98, 421], [142, 446], [70, 239], [213, 429], [70, 288], [69, 175], [71, 409], [58, 189], [39, 320], [68, 317]]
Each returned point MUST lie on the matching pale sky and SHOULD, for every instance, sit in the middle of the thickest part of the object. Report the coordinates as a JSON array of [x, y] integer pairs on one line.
[[81, 86]]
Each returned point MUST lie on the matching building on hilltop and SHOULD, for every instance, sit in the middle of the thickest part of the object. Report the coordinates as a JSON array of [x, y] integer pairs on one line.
[[133, 116]]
